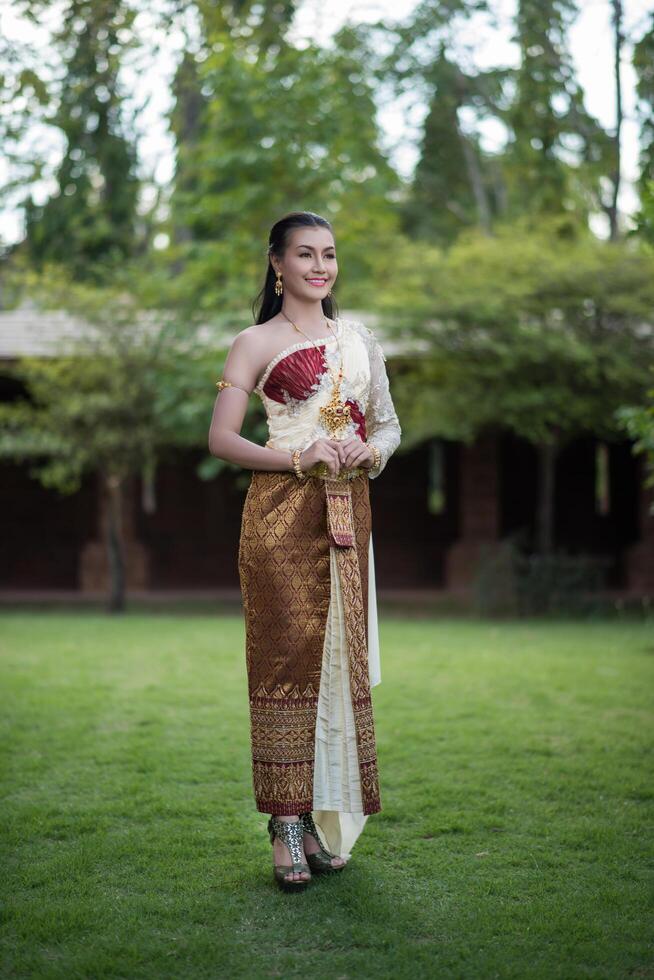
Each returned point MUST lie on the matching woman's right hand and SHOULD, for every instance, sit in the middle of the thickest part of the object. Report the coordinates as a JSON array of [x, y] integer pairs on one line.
[[322, 451]]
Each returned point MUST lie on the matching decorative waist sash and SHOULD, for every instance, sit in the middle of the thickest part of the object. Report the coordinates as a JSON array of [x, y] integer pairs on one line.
[[340, 519], [338, 493]]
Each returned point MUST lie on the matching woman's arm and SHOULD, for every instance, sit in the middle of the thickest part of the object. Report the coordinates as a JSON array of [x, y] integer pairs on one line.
[[229, 409], [382, 424]]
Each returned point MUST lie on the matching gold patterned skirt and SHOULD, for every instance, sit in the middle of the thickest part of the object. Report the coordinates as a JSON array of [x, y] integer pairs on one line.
[[294, 535]]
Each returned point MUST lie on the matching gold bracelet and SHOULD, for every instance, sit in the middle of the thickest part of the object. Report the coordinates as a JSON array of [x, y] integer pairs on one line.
[[295, 457], [376, 455]]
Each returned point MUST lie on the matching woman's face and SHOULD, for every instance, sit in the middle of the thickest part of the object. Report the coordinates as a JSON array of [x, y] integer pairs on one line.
[[309, 266]]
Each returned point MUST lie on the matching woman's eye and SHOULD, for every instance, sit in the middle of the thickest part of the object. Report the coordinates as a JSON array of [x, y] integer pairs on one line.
[[302, 254]]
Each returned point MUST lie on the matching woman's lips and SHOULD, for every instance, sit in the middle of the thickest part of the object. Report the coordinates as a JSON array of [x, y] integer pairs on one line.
[[316, 282]]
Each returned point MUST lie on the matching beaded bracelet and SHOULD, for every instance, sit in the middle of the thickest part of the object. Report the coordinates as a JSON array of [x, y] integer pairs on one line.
[[295, 456], [376, 455]]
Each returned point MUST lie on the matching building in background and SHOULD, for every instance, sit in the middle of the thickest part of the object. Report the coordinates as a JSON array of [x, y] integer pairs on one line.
[[437, 511]]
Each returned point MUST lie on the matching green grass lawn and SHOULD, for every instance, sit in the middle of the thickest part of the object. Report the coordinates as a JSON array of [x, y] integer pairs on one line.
[[515, 838]]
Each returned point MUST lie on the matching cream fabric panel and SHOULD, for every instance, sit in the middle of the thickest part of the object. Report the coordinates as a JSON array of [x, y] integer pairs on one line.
[[337, 791]]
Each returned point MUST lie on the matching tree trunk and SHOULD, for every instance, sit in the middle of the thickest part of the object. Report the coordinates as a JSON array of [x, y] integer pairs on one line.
[[148, 492], [547, 453], [476, 181], [617, 165], [115, 550]]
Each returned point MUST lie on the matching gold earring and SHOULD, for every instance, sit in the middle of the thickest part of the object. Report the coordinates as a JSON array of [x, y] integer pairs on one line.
[[278, 285]]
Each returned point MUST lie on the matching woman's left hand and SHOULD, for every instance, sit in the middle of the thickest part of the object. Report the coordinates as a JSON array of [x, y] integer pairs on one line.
[[355, 453]]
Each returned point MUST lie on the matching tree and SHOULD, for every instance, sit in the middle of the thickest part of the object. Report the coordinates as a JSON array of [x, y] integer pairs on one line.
[[534, 332], [557, 153], [250, 162], [24, 101], [455, 184], [616, 172], [638, 422], [81, 98], [131, 387], [556, 157], [643, 61]]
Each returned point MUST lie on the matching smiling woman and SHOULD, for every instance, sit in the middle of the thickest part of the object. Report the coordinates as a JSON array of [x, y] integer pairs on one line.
[[305, 555]]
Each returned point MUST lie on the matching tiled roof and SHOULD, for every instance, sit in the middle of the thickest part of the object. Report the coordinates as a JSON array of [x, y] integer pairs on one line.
[[30, 331]]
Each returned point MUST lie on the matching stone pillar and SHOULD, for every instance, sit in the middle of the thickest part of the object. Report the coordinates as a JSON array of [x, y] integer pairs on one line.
[[93, 562], [639, 562], [479, 506]]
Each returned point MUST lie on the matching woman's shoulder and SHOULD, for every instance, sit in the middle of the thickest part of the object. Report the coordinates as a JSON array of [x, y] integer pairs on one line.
[[251, 339], [248, 354], [367, 334], [249, 333]]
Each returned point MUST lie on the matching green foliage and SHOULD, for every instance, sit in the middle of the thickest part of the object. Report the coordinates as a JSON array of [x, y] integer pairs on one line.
[[93, 210], [645, 217], [557, 153], [510, 581], [550, 156], [536, 332], [249, 161], [534, 329], [638, 421], [494, 590], [455, 184], [131, 387], [643, 63]]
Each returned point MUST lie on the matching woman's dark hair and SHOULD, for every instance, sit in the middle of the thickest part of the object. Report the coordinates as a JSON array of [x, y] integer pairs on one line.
[[267, 303]]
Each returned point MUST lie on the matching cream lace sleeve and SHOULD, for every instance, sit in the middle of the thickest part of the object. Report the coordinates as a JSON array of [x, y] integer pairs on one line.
[[382, 424]]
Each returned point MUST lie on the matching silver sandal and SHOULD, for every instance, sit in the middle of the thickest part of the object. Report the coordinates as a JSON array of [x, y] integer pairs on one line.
[[321, 861], [290, 833]]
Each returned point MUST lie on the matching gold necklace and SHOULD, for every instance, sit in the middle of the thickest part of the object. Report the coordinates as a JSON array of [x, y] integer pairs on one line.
[[335, 415]]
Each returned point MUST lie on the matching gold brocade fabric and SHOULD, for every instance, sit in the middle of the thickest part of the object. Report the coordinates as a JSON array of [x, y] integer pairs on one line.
[[288, 527]]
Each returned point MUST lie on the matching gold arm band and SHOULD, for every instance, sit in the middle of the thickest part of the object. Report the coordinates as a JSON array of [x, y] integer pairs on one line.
[[230, 384]]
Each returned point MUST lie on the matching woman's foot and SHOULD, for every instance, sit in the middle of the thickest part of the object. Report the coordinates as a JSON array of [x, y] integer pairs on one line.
[[313, 845], [283, 856]]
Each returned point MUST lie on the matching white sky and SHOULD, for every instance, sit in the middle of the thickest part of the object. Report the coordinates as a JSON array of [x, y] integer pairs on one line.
[[590, 42]]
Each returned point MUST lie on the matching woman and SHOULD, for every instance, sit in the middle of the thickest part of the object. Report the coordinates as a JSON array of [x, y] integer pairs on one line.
[[305, 555]]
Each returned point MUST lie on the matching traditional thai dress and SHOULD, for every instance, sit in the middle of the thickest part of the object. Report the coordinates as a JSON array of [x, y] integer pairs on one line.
[[306, 569]]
